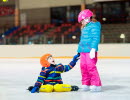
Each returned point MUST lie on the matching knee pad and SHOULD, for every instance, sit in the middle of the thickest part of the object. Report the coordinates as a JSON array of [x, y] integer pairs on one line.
[[62, 88], [46, 88]]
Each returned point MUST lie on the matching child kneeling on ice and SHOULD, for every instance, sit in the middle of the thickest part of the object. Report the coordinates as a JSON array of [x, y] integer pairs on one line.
[[50, 79]]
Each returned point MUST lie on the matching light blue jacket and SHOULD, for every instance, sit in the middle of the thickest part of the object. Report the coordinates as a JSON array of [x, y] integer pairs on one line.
[[90, 37]]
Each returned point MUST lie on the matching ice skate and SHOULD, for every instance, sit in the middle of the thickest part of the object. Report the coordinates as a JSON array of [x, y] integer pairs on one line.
[[85, 88], [95, 88], [74, 88]]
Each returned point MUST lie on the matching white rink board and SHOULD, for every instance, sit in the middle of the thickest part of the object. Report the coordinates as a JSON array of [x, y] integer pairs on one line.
[[17, 74], [61, 50]]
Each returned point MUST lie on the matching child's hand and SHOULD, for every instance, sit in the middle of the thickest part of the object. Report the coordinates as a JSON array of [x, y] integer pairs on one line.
[[76, 57], [30, 88], [35, 89]]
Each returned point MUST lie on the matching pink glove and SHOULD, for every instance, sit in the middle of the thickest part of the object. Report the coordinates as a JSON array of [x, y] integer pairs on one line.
[[92, 53]]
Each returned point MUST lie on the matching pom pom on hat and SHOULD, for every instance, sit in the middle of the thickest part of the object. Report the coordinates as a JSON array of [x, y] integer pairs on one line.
[[43, 60]]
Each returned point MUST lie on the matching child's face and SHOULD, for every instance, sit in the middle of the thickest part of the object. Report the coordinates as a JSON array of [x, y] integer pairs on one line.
[[85, 21], [51, 60]]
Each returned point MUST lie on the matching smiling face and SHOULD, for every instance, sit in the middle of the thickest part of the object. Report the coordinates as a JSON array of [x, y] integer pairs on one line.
[[51, 60]]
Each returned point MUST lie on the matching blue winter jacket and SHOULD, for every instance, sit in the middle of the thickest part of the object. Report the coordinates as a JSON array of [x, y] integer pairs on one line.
[[90, 37]]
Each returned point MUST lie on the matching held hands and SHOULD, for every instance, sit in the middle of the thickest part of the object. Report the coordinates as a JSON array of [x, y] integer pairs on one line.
[[92, 53], [76, 57]]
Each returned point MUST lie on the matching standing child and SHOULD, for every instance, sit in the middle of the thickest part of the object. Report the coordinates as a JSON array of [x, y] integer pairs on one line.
[[50, 78], [88, 47]]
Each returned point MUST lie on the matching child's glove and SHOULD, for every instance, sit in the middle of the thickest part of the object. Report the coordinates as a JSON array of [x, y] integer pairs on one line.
[[76, 58], [92, 53], [35, 89], [30, 88]]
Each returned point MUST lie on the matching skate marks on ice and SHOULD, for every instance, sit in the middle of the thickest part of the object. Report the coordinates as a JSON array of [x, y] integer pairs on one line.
[[112, 88]]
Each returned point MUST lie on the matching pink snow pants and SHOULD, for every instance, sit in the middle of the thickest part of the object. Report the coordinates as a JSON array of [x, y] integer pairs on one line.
[[89, 71]]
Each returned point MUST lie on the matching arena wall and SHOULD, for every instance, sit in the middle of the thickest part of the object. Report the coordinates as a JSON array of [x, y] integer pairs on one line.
[[37, 16], [28, 4], [62, 50], [7, 20]]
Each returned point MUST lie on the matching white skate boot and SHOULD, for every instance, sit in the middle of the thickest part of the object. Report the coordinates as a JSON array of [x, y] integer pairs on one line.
[[85, 88], [94, 88]]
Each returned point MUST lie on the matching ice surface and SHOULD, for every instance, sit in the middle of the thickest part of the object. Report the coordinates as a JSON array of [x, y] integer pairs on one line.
[[17, 74]]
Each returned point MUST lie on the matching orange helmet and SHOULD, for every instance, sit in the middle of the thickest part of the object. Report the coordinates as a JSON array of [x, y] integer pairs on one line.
[[43, 60]]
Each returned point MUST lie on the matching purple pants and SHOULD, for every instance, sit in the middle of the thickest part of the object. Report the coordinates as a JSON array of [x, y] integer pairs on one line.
[[89, 71]]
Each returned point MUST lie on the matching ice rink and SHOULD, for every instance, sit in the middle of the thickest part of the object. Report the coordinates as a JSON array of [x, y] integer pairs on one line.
[[17, 74]]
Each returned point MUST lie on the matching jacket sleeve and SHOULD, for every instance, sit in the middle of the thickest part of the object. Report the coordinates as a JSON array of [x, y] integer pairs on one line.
[[41, 77], [65, 68], [95, 32]]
